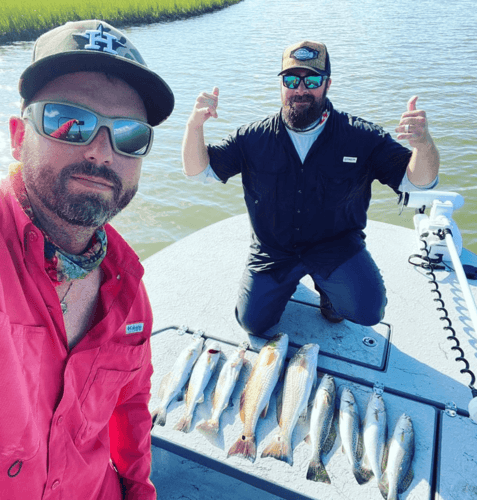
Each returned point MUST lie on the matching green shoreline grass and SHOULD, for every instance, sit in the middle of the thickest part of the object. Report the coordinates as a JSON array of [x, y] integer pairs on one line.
[[24, 20]]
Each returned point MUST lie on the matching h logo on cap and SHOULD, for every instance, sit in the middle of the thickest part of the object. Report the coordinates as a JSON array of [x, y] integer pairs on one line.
[[99, 40]]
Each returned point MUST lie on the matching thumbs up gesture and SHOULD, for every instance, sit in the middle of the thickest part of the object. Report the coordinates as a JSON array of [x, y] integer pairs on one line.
[[413, 125], [205, 107]]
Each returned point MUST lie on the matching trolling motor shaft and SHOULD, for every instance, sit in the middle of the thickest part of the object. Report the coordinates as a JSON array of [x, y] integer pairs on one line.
[[443, 243]]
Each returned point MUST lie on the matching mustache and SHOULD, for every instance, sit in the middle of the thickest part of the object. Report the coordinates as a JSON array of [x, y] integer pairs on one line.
[[90, 169], [302, 98]]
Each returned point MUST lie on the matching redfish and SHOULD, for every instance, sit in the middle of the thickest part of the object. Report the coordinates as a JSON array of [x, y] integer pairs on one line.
[[256, 395]]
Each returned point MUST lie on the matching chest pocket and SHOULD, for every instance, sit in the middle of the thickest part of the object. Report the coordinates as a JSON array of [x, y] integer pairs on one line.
[[100, 400], [101, 392]]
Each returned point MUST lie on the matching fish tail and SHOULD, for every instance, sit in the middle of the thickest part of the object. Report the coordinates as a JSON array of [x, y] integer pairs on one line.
[[317, 472], [384, 486], [210, 427], [280, 449], [362, 475], [244, 447], [184, 423], [159, 416]]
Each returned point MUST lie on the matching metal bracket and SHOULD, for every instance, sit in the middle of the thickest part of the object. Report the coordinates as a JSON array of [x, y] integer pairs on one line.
[[182, 329], [244, 345], [199, 333], [451, 409], [378, 388]]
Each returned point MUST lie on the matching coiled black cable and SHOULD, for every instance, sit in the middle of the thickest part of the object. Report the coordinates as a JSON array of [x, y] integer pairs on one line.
[[430, 265]]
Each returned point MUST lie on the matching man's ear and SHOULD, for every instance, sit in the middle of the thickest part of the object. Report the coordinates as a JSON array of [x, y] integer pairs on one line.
[[17, 134]]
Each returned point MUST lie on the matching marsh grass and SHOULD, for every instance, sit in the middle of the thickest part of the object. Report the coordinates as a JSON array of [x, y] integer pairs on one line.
[[26, 19]]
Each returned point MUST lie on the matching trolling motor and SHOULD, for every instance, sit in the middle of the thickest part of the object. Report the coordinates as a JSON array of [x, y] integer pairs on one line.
[[443, 242], [431, 228]]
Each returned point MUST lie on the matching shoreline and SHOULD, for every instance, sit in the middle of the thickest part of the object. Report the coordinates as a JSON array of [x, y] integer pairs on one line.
[[120, 21]]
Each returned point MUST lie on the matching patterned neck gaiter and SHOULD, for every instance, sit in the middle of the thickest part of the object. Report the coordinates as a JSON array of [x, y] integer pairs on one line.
[[61, 266]]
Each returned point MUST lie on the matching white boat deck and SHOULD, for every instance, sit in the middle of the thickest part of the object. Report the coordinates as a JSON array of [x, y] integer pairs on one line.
[[193, 283]]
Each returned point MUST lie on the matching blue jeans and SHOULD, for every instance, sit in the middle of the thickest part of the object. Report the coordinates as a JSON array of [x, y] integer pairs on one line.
[[355, 289]]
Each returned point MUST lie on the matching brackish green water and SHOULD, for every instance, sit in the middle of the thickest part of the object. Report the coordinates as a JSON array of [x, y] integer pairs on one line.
[[382, 53]]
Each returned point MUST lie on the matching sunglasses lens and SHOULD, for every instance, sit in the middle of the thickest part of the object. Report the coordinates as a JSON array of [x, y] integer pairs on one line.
[[313, 82], [291, 81], [68, 123], [131, 137]]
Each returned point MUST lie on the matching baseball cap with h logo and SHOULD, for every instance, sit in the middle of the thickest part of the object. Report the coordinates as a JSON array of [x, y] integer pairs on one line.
[[95, 45]]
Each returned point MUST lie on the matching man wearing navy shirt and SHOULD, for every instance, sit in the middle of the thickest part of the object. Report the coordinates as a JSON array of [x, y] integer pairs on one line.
[[307, 173]]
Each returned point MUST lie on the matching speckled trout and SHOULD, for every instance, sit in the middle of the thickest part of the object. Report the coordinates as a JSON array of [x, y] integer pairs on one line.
[[256, 395], [201, 374], [226, 382], [174, 381], [398, 473], [300, 377], [374, 436], [350, 432], [322, 432]]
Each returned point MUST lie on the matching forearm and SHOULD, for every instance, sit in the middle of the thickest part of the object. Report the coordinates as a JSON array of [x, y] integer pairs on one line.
[[423, 166], [194, 151]]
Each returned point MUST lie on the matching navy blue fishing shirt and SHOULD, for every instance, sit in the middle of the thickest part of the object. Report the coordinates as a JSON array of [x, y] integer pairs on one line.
[[313, 211]]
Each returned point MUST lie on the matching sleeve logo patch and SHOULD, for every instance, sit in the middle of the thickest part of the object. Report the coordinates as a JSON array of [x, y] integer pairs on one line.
[[134, 328], [350, 159]]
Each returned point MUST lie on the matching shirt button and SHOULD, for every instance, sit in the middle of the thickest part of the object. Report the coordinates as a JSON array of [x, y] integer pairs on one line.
[[256, 201], [298, 211], [118, 277], [297, 229], [55, 485], [299, 191], [60, 419], [33, 236]]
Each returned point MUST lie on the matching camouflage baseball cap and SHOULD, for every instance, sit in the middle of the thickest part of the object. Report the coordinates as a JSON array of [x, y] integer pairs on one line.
[[95, 45], [307, 55]]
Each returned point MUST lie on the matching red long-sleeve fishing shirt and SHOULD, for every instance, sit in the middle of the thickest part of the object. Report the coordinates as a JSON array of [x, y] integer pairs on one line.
[[74, 424]]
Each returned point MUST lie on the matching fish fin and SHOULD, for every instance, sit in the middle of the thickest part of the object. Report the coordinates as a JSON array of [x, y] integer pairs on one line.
[[209, 428], [181, 394], [317, 472], [307, 439], [280, 403], [264, 411], [280, 449], [361, 475], [159, 416], [201, 399], [384, 485], [184, 424], [366, 466], [406, 482], [360, 447], [303, 415], [330, 440], [242, 401], [384, 461], [164, 384], [244, 447]]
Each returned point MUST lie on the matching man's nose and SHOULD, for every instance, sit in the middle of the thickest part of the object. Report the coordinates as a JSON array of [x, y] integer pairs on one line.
[[100, 150]]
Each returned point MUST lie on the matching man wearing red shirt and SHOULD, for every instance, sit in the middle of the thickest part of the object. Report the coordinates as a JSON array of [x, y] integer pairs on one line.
[[75, 358]]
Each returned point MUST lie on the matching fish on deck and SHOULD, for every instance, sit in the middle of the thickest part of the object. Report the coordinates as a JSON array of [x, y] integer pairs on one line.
[[255, 397], [300, 377]]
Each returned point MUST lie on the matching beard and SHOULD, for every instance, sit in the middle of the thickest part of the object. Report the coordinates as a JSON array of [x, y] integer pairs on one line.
[[300, 119], [85, 209]]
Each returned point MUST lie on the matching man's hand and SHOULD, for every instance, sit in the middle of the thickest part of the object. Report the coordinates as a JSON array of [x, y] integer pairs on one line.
[[423, 166], [413, 125], [205, 108]]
